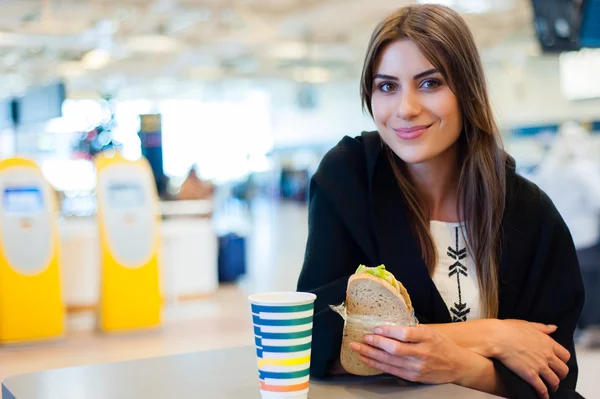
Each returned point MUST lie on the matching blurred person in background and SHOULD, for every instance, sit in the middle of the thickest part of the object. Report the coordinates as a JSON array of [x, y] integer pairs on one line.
[[432, 180], [194, 188], [570, 175]]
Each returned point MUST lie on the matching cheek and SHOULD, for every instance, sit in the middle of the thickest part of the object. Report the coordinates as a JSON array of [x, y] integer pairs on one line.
[[380, 108], [450, 114]]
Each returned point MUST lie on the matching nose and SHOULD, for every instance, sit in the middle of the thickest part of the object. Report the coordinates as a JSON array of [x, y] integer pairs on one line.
[[409, 105]]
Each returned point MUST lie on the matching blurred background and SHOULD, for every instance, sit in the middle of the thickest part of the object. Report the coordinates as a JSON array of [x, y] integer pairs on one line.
[[234, 103]]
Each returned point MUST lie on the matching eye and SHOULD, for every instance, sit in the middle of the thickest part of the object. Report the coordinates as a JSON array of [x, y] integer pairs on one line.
[[431, 84], [387, 87]]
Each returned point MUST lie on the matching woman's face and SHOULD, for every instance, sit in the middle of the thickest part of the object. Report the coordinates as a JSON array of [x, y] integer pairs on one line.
[[416, 113]]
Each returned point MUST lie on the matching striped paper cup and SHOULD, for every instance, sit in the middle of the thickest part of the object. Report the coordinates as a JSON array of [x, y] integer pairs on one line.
[[283, 336]]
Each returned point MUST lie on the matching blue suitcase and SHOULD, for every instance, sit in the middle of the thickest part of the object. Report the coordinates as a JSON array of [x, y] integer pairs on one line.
[[232, 257]]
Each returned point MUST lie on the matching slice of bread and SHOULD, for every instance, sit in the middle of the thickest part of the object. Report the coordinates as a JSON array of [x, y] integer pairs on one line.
[[372, 296]]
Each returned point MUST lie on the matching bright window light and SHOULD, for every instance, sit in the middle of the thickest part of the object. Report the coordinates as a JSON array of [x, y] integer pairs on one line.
[[447, 3], [577, 74], [472, 6], [70, 174], [225, 140], [128, 125]]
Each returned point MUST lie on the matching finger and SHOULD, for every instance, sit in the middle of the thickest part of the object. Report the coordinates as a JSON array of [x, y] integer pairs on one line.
[[559, 367], [387, 368], [414, 334], [392, 346], [551, 378], [532, 377], [382, 356], [545, 328], [561, 352]]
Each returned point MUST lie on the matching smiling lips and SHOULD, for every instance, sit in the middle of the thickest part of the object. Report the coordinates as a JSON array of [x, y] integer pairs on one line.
[[411, 133]]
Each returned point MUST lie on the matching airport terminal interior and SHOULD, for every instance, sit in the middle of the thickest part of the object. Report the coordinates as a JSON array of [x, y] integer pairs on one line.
[[156, 159]]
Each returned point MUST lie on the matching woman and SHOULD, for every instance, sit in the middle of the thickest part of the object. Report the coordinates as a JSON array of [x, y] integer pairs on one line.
[[433, 196]]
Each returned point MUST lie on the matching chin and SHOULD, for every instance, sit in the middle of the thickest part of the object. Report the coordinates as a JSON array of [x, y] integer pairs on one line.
[[412, 156], [411, 160]]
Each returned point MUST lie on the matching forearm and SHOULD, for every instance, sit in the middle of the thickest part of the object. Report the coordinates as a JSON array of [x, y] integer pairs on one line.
[[476, 335], [480, 374]]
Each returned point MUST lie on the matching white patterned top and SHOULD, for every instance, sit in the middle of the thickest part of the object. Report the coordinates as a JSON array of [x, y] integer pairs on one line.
[[455, 276]]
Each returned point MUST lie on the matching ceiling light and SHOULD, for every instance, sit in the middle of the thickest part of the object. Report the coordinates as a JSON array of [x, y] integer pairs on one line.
[[312, 75], [154, 44], [70, 69], [288, 50], [96, 59]]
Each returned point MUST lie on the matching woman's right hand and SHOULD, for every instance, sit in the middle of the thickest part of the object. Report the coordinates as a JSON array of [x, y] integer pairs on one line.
[[528, 350]]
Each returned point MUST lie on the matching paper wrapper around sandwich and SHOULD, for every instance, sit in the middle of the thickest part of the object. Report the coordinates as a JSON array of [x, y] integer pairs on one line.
[[357, 326]]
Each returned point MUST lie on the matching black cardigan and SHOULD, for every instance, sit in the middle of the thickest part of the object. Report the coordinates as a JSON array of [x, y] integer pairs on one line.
[[357, 216]]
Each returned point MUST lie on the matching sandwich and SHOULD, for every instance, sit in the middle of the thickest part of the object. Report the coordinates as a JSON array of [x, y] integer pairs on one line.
[[373, 297]]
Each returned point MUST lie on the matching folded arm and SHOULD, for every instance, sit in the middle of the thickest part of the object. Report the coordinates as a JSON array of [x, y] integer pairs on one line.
[[521, 346]]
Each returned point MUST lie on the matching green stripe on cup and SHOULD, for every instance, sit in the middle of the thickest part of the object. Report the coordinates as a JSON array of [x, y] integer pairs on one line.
[[281, 323], [286, 349], [282, 309], [283, 376], [290, 335]]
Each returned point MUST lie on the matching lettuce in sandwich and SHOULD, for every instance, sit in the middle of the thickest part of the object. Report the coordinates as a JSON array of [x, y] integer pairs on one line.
[[380, 272]]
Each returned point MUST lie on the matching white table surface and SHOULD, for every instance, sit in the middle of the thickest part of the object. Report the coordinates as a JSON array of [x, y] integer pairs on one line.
[[218, 374]]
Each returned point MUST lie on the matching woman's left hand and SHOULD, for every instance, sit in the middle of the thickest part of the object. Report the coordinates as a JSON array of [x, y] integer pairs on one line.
[[418, 354]]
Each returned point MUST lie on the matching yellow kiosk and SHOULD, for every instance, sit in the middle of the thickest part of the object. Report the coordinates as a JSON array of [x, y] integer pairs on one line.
[[31, 306], [128, 223]]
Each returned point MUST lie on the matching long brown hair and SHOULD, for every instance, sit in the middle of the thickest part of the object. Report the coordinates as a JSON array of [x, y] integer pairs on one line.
[[446, 41]]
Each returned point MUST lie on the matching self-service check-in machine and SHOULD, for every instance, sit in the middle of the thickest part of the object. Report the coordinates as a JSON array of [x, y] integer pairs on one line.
[[128, 222], [31, 306]]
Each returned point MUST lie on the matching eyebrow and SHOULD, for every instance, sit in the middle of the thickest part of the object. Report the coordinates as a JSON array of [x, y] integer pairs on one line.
[[417, 76]]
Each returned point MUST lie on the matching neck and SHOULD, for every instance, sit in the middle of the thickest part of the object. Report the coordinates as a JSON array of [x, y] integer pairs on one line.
[[437, 182]]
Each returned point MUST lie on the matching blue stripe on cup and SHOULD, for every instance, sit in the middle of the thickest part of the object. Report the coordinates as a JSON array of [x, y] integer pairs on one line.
[[283, 376], [281, 309], [257, 320], [286, 349], [290, 335]]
